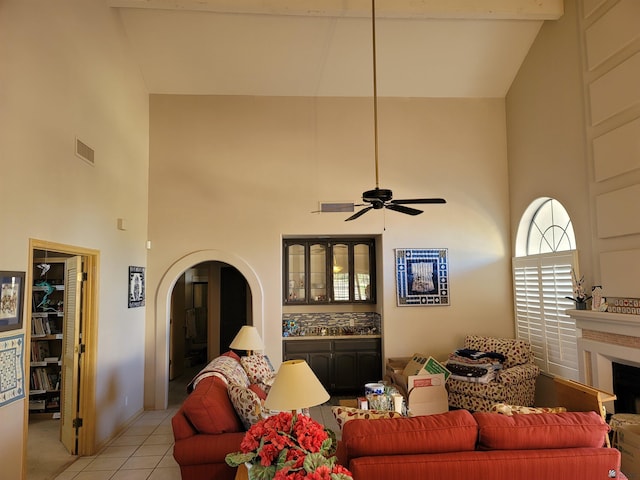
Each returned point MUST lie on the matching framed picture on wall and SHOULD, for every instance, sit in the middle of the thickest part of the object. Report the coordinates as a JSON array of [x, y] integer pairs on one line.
[[422, 276], [136, 287], [11, 300]]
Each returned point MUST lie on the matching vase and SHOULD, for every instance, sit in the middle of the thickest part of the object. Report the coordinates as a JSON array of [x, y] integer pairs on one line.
[[244, 473], [581, 305]]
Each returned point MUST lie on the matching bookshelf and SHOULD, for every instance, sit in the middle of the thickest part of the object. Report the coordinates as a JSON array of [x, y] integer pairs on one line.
[[47, 318]]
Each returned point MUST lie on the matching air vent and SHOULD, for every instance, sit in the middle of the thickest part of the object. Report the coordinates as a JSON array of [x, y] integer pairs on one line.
[[84, 151], [336, 207]]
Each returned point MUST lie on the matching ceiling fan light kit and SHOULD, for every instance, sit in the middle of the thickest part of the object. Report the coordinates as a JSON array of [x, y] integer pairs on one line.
[[379, 198]]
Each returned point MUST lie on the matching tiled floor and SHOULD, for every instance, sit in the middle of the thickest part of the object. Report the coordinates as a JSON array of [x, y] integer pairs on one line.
[[145, 450], [142, 452]]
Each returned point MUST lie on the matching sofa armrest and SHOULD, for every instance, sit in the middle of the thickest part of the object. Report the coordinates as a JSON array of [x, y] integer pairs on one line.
[[181, 426], [204, 448], [519, 373]]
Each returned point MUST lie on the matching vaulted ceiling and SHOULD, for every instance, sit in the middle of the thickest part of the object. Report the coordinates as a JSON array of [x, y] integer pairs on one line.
[[424, 48]]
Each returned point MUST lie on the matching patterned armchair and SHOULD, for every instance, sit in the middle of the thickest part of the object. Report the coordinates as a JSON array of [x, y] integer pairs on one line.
[[515, 384]]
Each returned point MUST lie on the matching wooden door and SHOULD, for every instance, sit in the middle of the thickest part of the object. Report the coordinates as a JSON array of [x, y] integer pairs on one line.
[[71, 355], [233, 305]]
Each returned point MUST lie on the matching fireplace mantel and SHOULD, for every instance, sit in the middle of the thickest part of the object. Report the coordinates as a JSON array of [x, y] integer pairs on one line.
[[603, 338], [617, 323]]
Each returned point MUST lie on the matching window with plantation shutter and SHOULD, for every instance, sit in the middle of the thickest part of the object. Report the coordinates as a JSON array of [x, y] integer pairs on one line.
[[541, 283], [542, 279]]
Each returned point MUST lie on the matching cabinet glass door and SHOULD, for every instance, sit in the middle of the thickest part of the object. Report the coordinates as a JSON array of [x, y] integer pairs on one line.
[[318, 272], [361, 272], [340, 278], [296, 261]]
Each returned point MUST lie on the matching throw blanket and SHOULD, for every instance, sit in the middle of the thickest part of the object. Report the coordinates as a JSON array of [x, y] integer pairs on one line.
[[478, 355], [474, 366]]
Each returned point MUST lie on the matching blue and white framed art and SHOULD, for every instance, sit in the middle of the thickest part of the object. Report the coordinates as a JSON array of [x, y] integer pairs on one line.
[[11, 369], [422, 276]]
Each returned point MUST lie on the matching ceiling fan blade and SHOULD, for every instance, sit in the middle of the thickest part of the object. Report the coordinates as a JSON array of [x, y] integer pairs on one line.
[[418, 201], [359, 214], [402, 209]]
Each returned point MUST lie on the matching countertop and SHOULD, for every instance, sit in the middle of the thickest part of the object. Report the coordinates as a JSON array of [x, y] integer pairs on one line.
[[332, 337]]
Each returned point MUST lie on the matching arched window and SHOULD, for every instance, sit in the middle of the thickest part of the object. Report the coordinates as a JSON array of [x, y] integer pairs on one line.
[[542, 279]]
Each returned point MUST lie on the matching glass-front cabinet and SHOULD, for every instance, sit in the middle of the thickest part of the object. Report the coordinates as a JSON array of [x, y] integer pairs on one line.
[[329, 271]]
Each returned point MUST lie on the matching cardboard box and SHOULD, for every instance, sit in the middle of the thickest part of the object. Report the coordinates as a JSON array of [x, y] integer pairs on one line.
[[427, 394], [396, 365], [422, 383], [421, 364], [629, 446]]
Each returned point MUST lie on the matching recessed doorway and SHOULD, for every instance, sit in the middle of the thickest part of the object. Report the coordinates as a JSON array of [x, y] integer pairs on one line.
[[61, 306]]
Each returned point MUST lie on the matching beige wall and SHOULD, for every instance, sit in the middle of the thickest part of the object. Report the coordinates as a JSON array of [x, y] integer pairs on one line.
[[66, 73], [235, 174], [573, 127]]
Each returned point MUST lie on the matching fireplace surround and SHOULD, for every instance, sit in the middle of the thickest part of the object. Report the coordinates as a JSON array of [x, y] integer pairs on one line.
[[604, 339]]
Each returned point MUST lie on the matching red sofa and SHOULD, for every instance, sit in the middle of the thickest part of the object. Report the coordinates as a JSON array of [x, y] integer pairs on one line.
[[205, 429], [458, 445]]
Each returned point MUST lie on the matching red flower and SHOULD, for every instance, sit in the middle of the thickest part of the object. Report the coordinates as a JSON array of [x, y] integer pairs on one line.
[[299, 438]]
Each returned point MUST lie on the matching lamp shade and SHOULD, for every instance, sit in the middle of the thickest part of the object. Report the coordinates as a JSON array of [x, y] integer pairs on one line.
[[295, 387], [247, 338]]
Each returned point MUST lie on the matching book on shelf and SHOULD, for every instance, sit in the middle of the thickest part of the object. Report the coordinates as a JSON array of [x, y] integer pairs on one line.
[[39, 350]]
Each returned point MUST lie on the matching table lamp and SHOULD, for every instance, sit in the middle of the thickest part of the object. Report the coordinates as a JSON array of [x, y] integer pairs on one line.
[[247, 339], [295, 387]]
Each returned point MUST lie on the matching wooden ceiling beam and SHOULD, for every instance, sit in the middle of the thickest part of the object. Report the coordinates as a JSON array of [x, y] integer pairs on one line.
[[407, 9]]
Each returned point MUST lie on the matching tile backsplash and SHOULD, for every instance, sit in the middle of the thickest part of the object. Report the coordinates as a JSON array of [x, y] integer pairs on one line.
[[358, 323]]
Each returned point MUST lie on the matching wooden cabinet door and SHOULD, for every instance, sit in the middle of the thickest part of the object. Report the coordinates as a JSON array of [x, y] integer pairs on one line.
[[369, 367], [321, 364], [345, 371]]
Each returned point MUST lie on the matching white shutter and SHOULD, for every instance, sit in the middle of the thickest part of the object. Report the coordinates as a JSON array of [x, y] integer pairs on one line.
[[541, 283]]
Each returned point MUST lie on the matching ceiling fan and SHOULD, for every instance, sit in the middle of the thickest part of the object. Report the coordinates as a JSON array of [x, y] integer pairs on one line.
[[379, 198]]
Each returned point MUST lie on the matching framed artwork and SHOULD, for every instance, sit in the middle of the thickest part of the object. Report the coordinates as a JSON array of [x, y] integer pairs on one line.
[[422, 276], [11, 300], [11, 369], [136, 287]]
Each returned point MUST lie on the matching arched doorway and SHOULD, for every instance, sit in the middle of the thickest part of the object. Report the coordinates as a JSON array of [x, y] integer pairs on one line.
[[210, 302], [160, 378]]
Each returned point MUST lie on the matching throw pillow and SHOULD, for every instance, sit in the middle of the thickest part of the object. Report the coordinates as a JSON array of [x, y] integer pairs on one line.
[[209, 410], [258, 369], [505, 409], [344, 414], [247, 405]]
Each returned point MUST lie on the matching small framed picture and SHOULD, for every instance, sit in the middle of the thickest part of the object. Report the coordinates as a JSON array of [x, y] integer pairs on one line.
[[136, 287], [11, 300]]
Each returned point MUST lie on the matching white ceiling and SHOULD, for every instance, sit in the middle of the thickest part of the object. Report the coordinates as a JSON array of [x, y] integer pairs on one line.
[[425, 48]]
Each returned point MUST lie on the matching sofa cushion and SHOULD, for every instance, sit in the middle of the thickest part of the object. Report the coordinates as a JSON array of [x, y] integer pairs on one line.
[[344, 414], [545, 430], [209, 409], [453, 431]]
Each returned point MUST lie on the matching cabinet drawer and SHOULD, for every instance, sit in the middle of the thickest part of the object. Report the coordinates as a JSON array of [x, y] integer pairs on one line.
[[357, 345], [307, 346]]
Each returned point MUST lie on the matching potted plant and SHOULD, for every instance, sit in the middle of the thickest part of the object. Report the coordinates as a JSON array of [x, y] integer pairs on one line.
[[289, 447]]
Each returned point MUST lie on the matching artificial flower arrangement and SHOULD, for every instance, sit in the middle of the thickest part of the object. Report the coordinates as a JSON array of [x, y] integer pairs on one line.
[[578, 289], [288, 447]]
